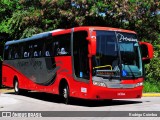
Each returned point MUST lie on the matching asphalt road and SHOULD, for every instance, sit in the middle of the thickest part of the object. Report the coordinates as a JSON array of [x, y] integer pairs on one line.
[[35, 101]]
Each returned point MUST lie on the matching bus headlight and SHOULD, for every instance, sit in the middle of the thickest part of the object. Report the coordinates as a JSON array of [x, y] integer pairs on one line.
[[97, 83], [139, 84]]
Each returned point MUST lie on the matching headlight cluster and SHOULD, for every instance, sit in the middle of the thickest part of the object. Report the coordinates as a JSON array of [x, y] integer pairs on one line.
[[99, 83], [139, 84]]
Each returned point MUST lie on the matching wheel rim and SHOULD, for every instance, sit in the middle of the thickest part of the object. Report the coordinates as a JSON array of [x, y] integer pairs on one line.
[[16, 87], [65, 93]]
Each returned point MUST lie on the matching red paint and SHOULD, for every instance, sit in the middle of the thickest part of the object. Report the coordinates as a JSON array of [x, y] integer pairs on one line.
[[149, 49]]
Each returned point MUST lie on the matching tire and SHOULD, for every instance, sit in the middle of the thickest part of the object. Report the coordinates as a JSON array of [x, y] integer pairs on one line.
[[108, 100], [65, 94], [16, 87], [17, 90]]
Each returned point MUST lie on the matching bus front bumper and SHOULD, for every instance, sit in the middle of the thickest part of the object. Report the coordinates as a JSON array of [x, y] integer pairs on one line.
[[101, 93]]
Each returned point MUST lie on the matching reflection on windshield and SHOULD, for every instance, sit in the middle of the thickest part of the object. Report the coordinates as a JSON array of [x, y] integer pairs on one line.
[[107, 62]]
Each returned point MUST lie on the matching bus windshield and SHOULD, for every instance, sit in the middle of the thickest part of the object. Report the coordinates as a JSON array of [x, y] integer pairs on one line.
[[117, 55]]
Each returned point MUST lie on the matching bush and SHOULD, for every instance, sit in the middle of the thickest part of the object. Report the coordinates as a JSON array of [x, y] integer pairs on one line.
[[152, 70], [151, 86]]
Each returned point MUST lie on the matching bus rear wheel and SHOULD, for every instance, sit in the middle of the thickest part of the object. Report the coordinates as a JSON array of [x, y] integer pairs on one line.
[[16, 87], [17, 90]]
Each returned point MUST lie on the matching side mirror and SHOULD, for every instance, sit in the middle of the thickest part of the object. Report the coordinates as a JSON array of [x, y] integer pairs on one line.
[[147, 51], [92, 43]]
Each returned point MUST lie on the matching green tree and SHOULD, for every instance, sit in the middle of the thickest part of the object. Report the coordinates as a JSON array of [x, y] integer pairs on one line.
[[28, 17]]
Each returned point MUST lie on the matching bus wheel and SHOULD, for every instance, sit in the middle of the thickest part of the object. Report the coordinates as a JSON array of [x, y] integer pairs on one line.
[[65, 94], [16, 87]]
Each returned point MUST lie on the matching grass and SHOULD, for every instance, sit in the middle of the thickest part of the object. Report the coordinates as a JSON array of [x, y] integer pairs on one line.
[[151, 87]]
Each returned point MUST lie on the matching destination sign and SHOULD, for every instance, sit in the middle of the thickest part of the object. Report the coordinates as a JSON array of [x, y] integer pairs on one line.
[[122, 38]]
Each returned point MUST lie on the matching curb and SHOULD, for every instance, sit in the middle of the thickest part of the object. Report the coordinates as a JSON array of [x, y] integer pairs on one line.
[[6, 90], [151, 94]]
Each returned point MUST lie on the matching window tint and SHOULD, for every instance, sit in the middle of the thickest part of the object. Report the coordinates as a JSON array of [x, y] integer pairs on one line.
[[48, 49], [38, 48], [12, 52], [52, 46], [28, 49], [6, 52], [17, 51], [62, 45], [80, 54]]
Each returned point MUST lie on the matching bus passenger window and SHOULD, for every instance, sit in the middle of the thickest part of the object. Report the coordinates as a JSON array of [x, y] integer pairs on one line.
[[47, 53], [35, 54], [37, 48], [16, 55], [48, 50], [10, 53], [40, 53], [13, 53], [26, 54], [62, 45], [62, 51], [6, 52]]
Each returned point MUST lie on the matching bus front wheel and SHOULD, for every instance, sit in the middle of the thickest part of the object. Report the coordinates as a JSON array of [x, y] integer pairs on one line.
[[65, 94]]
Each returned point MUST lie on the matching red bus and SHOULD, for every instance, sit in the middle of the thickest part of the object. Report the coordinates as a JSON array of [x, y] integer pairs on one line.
[[83, 62]]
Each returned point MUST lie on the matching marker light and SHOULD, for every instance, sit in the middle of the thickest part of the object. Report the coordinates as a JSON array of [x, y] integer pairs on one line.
[[139, 84]]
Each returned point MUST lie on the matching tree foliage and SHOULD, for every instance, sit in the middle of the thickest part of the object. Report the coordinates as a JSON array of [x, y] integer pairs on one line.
[[23, 18]]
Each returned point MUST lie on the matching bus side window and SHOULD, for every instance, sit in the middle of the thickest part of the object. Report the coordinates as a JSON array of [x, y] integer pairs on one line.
[[17, 51], [26, 54], [10, 53], [6, 52], [48, 50], [37, 48], [62, 45], [26, 50], [16, 55], [47, 53], [35, 54], [21, 48], [56, 48]]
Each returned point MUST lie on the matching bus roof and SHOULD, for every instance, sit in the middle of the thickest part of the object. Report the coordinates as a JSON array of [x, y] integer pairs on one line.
[[50, 33], [34, 37], [105, 28]]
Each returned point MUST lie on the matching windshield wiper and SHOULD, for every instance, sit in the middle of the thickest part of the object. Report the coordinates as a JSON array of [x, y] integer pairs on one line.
[[119, 54], [132, 72]]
